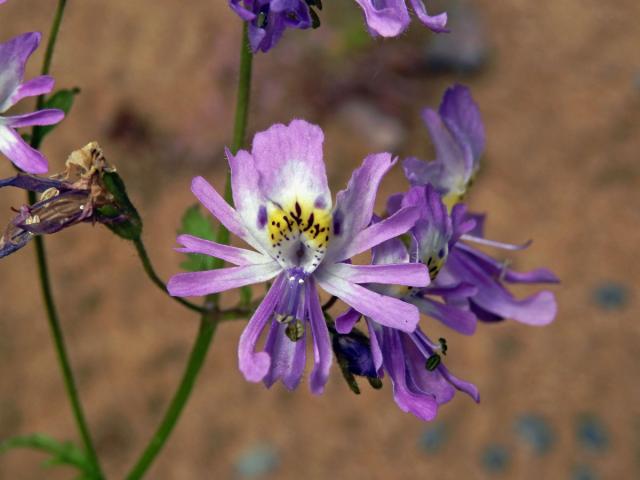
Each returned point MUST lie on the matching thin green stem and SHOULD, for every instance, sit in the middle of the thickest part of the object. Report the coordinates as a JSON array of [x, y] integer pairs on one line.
[[196, 359], [209, 321], [45, 283], [151, 273], [53, 37]]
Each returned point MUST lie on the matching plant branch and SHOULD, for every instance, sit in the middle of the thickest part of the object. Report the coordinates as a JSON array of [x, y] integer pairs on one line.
[[209, 320], [45, 283], [151, 273]]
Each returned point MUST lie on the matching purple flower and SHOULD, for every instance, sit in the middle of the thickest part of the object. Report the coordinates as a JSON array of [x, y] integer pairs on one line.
[[471, 282], [284, 211], [418, 386], [13, 57], [492, 301], [389, 18], [268, 19], [82, 193], [457, 134]]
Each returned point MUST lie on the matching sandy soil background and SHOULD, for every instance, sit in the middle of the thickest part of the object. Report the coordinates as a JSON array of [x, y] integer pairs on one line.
[[559, 91]]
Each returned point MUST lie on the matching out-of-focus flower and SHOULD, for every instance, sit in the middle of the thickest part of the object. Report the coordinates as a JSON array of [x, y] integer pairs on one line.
[[268, 19], [13, 57], [389, 18], [458, 136], [284, 211], [87, 191]]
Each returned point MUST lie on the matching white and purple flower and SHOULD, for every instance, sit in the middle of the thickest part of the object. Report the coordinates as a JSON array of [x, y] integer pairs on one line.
[[13, 58], [284, 211]]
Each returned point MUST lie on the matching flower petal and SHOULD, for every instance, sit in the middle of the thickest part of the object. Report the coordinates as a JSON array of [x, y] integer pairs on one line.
[[423, 380], [222, 211], [386, 18], [462, 115], [435, 23], [22, 155], [322, 351], [390, 252], [376, 351], [237, 256], [255, 365], [499, 269], [214, 281], [397, 224], [290, 164], [347, 320], [537, 309], [247, 198], [36, 86], [422, 405], [354, 206], [49, 116], [410, 274], [384, 310], [287, 357], [457, 318], [13, 57]]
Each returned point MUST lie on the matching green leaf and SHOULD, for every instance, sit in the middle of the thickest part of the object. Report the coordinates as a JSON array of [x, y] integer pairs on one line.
[[62, 453], [62, 99], [196, 224]]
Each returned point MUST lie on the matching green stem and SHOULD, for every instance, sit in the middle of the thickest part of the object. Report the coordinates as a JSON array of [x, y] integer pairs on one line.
[[196, 359], [208, 322], [45, 283], [53, 37], [151, 273]]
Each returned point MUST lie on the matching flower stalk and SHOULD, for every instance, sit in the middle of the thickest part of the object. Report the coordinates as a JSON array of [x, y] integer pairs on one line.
[[45, 283], [209, 320]]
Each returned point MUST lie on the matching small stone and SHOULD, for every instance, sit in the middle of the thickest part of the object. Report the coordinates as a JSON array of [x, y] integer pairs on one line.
[[611, 296], [535, 431], [583, 472], [433, 437], [591, 433], [257, 461], [495, 458]]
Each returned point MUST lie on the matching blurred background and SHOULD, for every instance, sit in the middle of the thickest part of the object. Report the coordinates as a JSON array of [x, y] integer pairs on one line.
[[558, 84]]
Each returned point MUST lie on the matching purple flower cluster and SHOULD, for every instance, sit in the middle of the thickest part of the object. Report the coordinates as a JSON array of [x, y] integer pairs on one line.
[[423, 260], [268, 19]]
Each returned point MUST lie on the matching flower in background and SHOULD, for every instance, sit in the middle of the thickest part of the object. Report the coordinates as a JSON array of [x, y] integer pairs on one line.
[[268, 19], [389, 18], [284, 211], [13, 57], [88, 190], [458, 136]]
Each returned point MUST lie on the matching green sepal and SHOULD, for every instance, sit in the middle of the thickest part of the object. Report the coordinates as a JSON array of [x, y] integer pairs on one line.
[[63, 100], [195, 223], [127, 222]]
